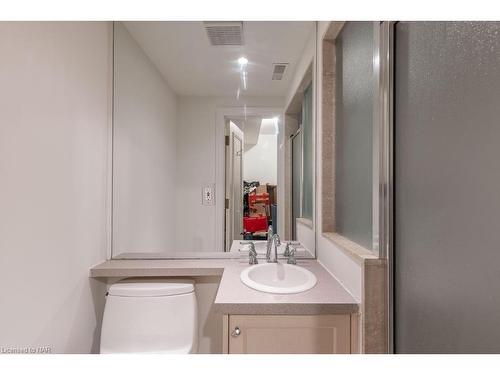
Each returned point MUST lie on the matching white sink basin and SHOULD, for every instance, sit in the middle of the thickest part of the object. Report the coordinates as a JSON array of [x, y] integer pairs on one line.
[[278, 278]]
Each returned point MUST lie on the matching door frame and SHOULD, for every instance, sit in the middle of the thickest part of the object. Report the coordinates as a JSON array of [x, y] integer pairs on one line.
[[232, 202], [232, 134], [221, 115], [292, 218], [384, 157]]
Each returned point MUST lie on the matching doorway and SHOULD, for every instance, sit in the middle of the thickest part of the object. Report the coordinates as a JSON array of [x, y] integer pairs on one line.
[[234, 183], [251, 178]]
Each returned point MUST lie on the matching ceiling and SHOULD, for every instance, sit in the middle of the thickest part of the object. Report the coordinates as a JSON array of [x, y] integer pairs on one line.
[[250, 126], [191, 66], [254, 126]]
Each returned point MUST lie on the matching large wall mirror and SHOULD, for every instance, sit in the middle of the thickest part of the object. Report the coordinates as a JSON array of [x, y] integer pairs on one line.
[[213, 137]]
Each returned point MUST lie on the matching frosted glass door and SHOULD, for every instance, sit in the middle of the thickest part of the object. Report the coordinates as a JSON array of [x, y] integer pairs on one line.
[[447, 187]]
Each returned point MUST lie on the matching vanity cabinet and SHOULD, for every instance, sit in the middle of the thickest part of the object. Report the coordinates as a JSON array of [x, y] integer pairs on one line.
[[288, 334]]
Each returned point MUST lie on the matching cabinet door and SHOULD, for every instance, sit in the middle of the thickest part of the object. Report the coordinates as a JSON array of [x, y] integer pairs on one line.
[[289, 334]]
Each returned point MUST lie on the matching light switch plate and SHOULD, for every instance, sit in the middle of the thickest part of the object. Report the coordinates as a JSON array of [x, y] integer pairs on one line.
[[208, 195]]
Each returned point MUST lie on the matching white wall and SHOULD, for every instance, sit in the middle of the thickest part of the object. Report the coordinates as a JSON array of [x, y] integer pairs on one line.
[[54, 146], [307, 57], [196, 166], [54, 92], [260, 161], [145, 121]]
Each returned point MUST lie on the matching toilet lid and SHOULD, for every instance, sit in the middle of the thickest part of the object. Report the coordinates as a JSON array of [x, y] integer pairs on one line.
[[151, 287]]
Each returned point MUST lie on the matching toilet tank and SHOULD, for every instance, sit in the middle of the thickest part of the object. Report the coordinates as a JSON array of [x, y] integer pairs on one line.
[[150, 316]]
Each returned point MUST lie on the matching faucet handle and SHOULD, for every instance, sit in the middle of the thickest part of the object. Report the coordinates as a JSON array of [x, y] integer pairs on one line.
[[251, 249], [287, 250], [252, 254], [252, 259], [291, 256]]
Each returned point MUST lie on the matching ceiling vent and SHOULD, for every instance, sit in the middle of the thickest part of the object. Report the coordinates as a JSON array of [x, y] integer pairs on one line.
[[279, 71], [224, 33]]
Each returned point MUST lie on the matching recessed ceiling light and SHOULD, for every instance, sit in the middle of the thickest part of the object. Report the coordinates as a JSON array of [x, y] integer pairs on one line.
[[242, 61]]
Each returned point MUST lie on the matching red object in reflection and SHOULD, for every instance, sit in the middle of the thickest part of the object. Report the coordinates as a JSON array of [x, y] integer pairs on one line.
[[258, 198], [255, 224]]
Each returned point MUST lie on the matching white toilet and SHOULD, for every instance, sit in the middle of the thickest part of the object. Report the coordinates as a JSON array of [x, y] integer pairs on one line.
[[150, 316]]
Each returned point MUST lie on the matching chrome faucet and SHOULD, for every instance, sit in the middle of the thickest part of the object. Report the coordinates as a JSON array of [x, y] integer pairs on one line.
[[275, 239], [269, 240], [252, 254]]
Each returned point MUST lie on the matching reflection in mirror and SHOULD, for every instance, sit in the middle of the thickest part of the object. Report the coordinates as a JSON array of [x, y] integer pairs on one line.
[[307, 155], [299, 119], [213, 145]]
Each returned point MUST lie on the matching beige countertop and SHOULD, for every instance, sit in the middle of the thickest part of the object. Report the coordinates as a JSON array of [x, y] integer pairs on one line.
[[159, 267], [328, 296]]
